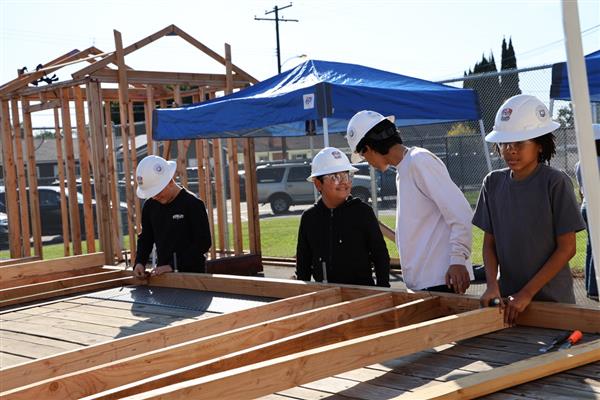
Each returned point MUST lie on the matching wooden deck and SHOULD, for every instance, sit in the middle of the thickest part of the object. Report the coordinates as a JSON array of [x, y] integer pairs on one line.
[[52, 327]]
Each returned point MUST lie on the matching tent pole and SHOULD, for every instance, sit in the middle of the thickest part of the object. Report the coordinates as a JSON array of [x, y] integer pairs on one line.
[[311, 140], [580, 98], [325, 133], [486, 151], [551, 107]]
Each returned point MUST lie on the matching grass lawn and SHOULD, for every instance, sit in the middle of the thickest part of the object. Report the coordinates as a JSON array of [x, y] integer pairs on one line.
[[279, 235]]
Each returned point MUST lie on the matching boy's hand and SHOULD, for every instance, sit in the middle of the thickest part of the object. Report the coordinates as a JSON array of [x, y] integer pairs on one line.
[[162, 269], [458, 278], [490, 294], [516, 304], [139, 271]]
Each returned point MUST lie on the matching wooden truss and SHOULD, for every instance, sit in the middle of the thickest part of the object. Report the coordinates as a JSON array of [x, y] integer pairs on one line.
[[97, 148], [313, 331]]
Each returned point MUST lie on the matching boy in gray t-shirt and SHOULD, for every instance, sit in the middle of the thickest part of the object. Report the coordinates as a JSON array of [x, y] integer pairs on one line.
[[528, 212]]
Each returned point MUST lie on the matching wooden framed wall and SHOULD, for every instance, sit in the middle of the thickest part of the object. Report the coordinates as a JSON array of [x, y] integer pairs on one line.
[[98, 152]]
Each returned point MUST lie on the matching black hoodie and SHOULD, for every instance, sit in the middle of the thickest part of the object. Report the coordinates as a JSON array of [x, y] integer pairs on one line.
[[347, 239]]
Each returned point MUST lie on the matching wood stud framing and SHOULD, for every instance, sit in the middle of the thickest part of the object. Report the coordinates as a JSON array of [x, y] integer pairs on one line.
[[312, 332], [93, 125]]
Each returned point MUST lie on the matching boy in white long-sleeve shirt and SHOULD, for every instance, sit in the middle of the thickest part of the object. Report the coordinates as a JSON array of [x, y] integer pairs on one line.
[[433, 218]]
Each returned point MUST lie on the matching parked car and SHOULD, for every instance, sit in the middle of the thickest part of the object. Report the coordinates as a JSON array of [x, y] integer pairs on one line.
[[284, 185], [50, 214], [386, 181], [3, 228]]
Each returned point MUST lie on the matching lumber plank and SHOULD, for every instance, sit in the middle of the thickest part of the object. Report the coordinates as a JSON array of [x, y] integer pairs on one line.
[[28, 280], [328, 333], [10, 180], [36, 268], [22, 183], [42, 287], [84, 168], [252, 286], [69, 290], [136, 344], [13, 261], [34, 197], [71, 176], [7, 359], [135, 309], [511, 375], [69, 332], [310, 365], [64, 211], [133, 369]]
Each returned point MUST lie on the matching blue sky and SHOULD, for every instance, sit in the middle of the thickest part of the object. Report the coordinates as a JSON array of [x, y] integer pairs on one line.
[[431, 40]]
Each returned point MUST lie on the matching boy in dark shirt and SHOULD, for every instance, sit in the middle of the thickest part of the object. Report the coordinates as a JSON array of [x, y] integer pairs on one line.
[[173, 219]]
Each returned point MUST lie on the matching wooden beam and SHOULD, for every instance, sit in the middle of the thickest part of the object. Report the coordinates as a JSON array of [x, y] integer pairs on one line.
[[35, 268], [171, 78], [42, 287], [113, 183], [235, 284], [112, 58], [13, 261], [64, 206], [209, 197], [327, 334], [21, 180], [220, 196], [123, 113], [148, 110], [84, 169], [52, 89], [486, 382], [213, 54], [71, 177], [133, 146], [387, 232], [134, 369], [10, 180], [35, 371], [45, 105], [251, 196], [70, 290], [34, 198], [310, 365]]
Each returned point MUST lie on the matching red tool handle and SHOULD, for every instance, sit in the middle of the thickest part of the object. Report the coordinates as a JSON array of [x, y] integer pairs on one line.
[[575, 337]]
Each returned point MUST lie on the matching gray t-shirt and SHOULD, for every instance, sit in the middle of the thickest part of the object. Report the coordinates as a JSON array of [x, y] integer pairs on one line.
[[525, 218]]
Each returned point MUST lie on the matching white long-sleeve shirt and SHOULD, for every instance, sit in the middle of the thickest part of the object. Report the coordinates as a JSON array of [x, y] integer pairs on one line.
[[433, 220]]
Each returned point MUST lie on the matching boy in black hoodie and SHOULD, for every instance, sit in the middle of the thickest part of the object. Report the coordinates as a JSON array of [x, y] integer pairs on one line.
[[339, 240]]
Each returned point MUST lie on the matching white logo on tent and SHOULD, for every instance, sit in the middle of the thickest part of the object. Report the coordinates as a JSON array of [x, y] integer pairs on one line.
[[308, 101]]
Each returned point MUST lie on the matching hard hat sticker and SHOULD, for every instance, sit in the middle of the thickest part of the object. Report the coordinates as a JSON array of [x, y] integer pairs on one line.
[[336, 154], [158, 168], [506, 114], [541, 112], [140, 180]]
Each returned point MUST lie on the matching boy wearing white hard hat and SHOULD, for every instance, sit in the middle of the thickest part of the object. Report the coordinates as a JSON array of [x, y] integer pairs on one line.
[[173, 219], [591, 287], [528, 212], [339, 239], [433, 218]]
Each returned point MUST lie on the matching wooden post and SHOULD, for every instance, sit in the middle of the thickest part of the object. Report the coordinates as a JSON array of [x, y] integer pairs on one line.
[[181, 147], [71, 177], [84, 169], [10, 180], [113, 182], [209, 198], [234, 179], [34, 198], [123, 103], [99, 162], [21, 181], [148, 109], [132, 138], [219, 189], [251, 197], [64, 207]]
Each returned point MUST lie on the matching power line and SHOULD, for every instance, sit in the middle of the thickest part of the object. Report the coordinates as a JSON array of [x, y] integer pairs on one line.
[[277, 19]]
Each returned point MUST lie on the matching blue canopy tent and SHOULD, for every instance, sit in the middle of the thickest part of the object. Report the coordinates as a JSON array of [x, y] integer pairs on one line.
[[316, 90], [559, 90]]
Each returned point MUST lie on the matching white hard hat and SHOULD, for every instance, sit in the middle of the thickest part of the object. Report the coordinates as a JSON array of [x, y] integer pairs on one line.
[[153, 174], [358, 127], [328, 161], [522, 117]]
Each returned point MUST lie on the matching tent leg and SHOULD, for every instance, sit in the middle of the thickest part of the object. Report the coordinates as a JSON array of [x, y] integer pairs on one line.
[[580, 98], [551, 107], [486, 151], [325, 133]]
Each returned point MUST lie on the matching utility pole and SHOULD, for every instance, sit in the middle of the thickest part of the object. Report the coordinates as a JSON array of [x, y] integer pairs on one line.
[[277, 19]]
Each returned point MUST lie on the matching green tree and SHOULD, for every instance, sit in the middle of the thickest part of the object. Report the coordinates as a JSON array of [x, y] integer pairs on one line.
[[487, 85], [565, 117], [509, 82]]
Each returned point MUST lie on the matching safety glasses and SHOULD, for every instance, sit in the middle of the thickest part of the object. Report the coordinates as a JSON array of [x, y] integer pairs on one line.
[[339, 177]]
